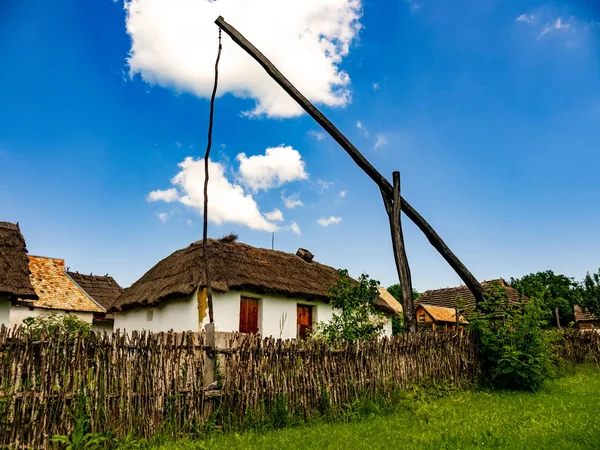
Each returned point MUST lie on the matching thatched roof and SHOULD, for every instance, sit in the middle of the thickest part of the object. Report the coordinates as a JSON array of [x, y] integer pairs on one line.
[[233, 266], [442, 314], [583, 315], [56, 290], [387, 301], [14, 267], [104, 289], [451, 297]]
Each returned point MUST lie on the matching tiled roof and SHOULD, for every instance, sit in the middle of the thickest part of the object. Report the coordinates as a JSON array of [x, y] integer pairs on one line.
[[103, 289], [583, 315], [441, 314], [449, 297], [55, 289]]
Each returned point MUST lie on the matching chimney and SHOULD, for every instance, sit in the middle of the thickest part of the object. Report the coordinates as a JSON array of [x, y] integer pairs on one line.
[[305, 254]]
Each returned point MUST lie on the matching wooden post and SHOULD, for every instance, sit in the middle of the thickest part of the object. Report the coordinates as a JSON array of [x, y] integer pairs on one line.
[[383, 184], [393, 210], [557, 317]]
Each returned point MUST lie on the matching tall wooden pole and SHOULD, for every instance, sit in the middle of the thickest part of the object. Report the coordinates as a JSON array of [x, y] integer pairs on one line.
[[383, 184], [393, 210], [205, 218]]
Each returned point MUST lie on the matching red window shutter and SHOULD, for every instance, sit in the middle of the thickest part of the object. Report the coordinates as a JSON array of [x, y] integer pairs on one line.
[[304, 320], [248, 315]]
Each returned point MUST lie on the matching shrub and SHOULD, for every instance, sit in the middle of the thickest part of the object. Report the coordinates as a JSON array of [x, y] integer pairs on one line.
[[55, 323], [514, 352], [354, 316]]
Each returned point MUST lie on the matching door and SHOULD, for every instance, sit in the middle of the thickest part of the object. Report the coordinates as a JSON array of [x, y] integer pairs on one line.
[[304, 320], [248, 315]]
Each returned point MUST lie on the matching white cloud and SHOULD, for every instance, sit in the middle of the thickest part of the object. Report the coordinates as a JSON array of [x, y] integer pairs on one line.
[[227, 202], [558, 24], [326, 221], [276, 214], [277, 166], [324, 184], [178, 144], [189, 222], [376, 86], [381, 141], [318, 135], [361, 128], [343, 194], [528, 18], [163, 216], [173, 44], [292, 201], [295, 228], [168, 195]]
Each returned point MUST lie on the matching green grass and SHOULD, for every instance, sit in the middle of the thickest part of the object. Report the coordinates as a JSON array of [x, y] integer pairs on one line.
[[563, 415]]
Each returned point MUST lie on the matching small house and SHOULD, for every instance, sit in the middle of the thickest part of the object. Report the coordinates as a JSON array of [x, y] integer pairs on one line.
[[105, 291], [56, 292], [14, 270], [255, 290], [439, 318], [462, 297], [585, 319]]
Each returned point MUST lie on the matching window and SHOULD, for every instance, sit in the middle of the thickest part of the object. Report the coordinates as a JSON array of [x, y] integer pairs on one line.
[[303, 320], [421, 317], [149, 315], [248, 315]]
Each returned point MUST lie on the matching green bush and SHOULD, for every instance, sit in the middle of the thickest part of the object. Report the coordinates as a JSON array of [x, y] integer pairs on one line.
[[514, 351], [55, 323]]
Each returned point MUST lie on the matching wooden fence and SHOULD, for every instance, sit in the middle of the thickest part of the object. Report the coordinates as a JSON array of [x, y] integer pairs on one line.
[[142, 384]]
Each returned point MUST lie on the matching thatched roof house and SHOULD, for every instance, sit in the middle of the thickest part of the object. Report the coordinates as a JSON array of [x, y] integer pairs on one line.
[[236, 266], [440, 314], [14, 265], [103, 289], [462, 296], [585, 319]]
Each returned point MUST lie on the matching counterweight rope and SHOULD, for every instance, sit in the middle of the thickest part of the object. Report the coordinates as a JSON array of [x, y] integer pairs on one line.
[[206, 156]]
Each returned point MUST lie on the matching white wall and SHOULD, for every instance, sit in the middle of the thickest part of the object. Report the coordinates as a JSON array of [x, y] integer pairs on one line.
[[176, 314], [387, 328], [4, 311], [19, 313], [276, 315]]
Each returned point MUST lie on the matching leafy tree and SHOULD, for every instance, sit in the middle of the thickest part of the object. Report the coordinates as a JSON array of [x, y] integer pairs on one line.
[[398, 322], [354, 316], [552, 291], [514, 351], [590, 292]]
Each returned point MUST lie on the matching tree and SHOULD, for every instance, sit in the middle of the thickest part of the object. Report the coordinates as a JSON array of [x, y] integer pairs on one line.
[[398, 322], [354, 314], [589, 290], [552, 291]]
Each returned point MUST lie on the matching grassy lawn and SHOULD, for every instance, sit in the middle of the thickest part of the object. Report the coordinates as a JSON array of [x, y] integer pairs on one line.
[[563, 415]]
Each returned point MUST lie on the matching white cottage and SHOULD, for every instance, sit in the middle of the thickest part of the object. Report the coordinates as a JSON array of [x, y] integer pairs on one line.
[[255, 290], [14, 270]]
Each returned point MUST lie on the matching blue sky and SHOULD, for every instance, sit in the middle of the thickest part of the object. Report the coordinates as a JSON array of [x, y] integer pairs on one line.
[[490, 110]]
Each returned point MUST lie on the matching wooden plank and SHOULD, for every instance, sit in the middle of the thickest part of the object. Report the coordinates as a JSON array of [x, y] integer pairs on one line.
[[383, 184]]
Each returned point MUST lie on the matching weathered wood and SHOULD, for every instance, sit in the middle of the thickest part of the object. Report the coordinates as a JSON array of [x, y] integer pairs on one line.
[[383, 184], [206, 177], [393, 210]]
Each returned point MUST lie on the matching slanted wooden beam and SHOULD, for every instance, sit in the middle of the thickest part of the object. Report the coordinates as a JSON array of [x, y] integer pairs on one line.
[[383, 184]]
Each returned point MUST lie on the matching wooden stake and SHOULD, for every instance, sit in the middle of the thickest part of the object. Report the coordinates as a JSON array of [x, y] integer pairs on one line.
[[383, 184], [557, 317], [393, 210]]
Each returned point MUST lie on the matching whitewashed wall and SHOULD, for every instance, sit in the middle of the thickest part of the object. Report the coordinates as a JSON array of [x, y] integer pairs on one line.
[[4, 311], [176, 314], [20, 313], [276, 315]]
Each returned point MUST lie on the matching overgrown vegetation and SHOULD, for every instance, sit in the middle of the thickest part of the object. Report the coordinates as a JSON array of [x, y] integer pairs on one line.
[[354, 316], [398, 322], [514, 351], [55, 323]]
